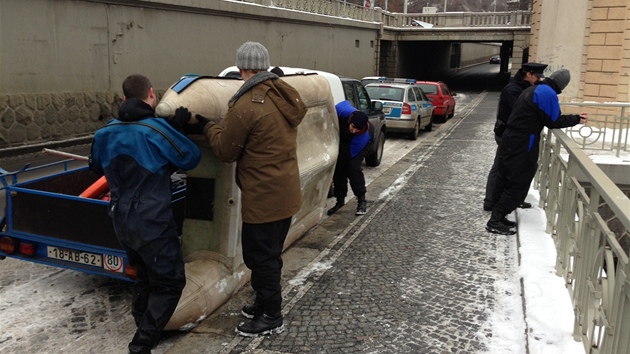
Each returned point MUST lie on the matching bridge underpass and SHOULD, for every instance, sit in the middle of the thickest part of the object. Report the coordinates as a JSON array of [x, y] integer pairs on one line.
[[430, 54]]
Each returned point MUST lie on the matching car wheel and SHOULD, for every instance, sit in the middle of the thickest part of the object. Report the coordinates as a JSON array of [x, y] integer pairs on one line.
[[429, 127], [416, 130], [374, 159]]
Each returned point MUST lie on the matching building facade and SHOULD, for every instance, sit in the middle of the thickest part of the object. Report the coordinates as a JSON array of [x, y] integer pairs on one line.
[[591, 38]]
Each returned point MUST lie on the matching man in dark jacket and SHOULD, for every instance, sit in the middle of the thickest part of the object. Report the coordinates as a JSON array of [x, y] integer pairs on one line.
[[354, 143], [528, 75], [137, 153], [259, 133], [537, 107]]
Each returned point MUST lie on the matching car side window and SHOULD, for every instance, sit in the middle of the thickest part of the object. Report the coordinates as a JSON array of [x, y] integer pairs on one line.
[[445, 90], [364, 98], [420, 94], [411, 97], [349, 93]]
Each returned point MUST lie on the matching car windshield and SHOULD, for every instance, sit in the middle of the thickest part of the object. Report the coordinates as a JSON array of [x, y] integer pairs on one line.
[[429, 89], [386, 93]]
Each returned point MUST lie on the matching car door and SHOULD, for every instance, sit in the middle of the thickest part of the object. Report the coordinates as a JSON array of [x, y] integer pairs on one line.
[[449, 101], [412, 100], [427, 107]]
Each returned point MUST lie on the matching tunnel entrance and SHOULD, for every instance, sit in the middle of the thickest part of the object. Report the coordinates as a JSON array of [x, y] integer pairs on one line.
[[443, 61]]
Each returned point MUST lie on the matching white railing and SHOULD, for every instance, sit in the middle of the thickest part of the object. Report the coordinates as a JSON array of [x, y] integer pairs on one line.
[[607, 129], [586, 219], [340, 8]]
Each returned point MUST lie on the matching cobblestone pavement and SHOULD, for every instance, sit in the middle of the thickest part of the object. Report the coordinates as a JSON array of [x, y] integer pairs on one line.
[[417, 274]]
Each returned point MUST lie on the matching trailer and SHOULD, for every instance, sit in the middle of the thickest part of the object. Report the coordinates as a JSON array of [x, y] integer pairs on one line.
[[48, 221]]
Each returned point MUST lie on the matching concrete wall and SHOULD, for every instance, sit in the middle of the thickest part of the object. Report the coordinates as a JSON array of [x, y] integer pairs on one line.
[[473, 53], [62, 62]]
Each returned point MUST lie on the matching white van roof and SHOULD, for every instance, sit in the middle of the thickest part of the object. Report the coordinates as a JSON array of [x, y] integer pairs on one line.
[[333, 80]]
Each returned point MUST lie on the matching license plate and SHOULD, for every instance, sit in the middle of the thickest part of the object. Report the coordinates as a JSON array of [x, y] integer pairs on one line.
[[387, 110], [75, 256]]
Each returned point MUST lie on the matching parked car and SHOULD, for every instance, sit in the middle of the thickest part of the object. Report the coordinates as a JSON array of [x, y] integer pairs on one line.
[[441, 97], [495, 59], [343, 88], [406, 107]]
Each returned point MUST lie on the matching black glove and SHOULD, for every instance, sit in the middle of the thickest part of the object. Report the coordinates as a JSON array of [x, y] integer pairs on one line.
[[196, 128], [180, 119]]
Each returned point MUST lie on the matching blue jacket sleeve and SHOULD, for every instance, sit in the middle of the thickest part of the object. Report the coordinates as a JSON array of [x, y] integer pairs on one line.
[[547, 101], [344, 109], [181, 152]]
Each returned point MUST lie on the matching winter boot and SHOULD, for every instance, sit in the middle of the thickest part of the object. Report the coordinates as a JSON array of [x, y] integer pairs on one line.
[[142, 343], [263, 325], [496, 225], [252, 311], [509, 223], [340, 203], [361, 205]]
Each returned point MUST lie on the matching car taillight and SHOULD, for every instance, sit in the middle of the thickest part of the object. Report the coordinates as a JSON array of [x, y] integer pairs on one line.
[[406, 108], [27, 248], [8, 245], [130, 271]]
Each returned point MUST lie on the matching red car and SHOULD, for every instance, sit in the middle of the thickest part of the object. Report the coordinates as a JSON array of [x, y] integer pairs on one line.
[[441, 97]]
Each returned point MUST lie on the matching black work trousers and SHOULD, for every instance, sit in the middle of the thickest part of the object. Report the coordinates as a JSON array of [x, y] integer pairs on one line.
[[515, 177], [160, 281], [493, 175], [262, 253], [349, 168]]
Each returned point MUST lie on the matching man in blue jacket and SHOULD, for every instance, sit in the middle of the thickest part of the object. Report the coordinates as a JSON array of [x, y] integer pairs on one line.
[[529, 74], [536, 107], [354, 143], [138, 153]]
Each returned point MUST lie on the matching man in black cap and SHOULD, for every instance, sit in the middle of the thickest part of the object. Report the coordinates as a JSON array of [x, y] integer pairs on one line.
[[536, 107], [529, 74], [354, 143]]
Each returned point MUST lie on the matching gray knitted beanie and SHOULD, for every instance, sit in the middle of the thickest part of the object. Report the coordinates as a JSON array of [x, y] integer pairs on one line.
[[561, 78], [252, 56]]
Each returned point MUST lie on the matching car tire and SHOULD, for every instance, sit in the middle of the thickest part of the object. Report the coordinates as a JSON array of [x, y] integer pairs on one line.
[[429, 127], [416, 130], [374, 159], [452, 113]]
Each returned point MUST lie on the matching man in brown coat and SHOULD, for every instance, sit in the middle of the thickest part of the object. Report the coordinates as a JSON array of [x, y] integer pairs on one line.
[[259, 132]]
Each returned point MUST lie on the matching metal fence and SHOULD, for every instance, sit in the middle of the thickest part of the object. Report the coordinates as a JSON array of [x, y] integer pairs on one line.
[[607, 129], [594, 265]]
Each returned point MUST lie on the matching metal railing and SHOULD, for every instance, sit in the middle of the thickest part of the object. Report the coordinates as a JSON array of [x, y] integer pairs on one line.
[[340, 8], [607, 129], [589, 256]]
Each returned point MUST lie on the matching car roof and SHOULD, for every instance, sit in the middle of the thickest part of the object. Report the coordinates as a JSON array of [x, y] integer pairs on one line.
[[333, 80], [431, 82], [388, 84]]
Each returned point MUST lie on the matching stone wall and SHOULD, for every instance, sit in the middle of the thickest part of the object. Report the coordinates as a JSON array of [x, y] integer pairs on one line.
[[607, 64], [589, 37], [33, 118]]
